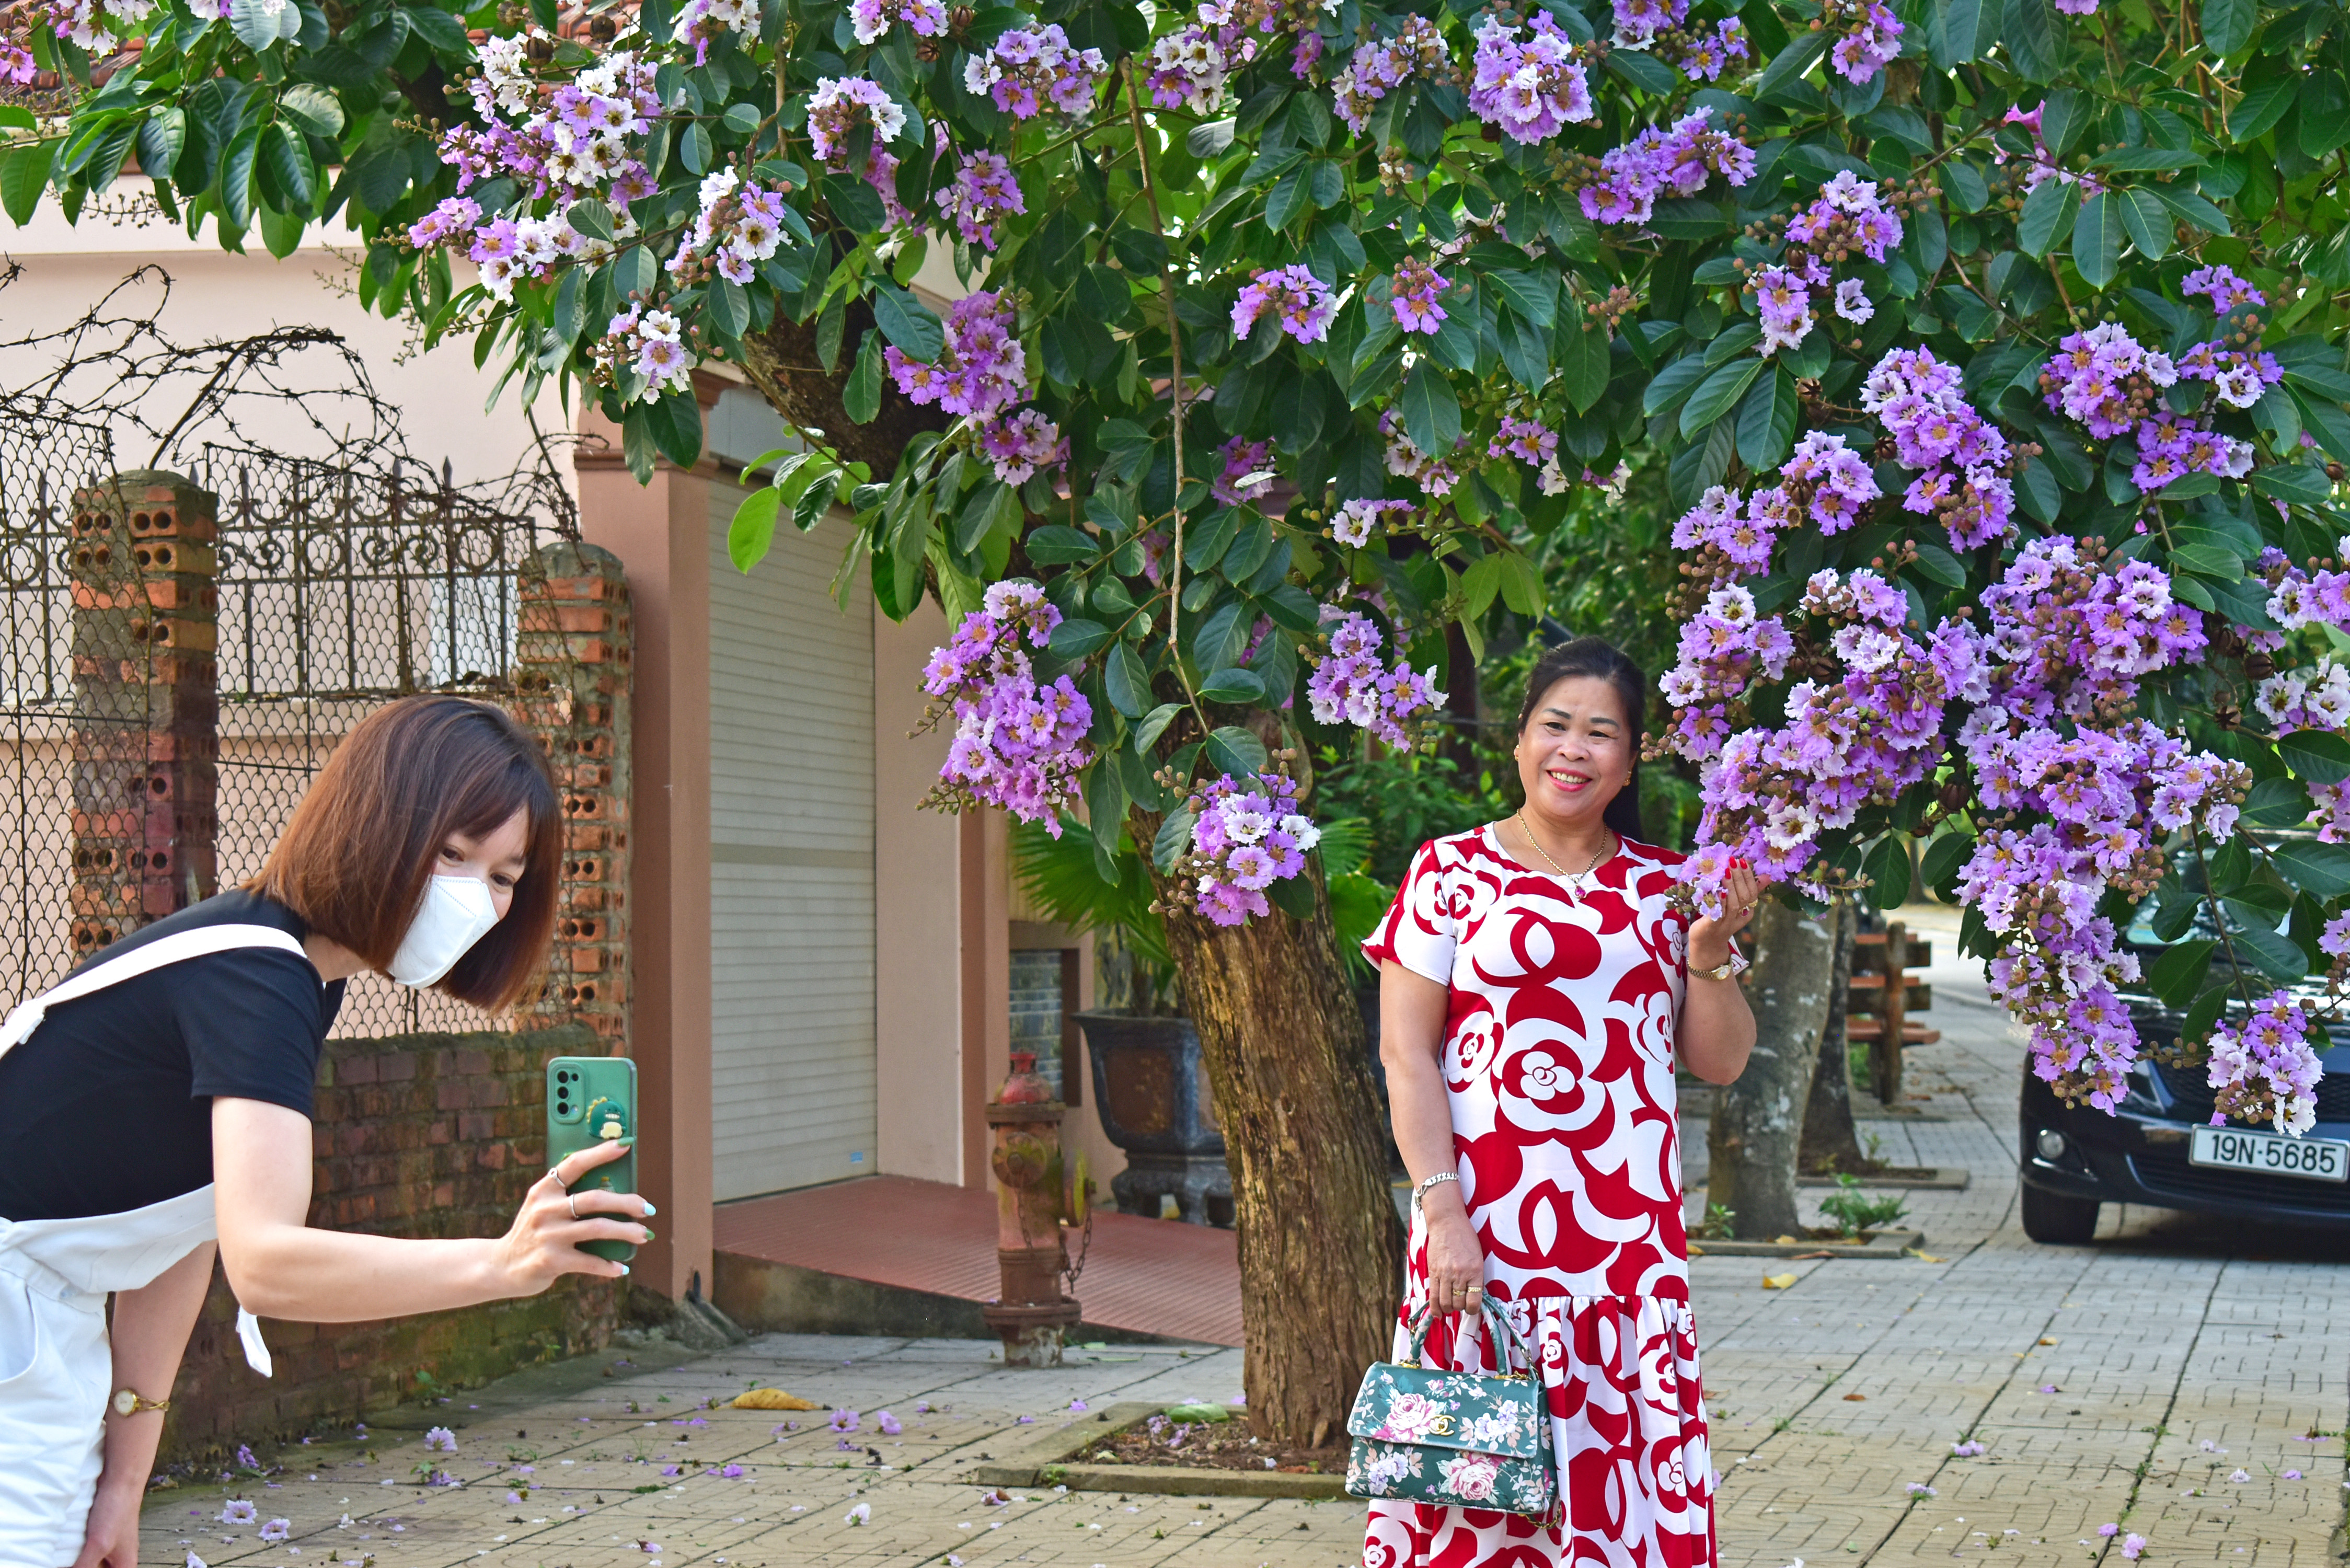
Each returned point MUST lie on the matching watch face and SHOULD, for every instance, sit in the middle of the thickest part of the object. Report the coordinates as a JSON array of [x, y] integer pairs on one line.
[[124, 1402]]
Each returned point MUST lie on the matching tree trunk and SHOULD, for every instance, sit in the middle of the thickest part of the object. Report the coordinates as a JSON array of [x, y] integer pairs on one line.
[[783, 363], [1831, 1144], [1758, 1120], [1321, 1248]]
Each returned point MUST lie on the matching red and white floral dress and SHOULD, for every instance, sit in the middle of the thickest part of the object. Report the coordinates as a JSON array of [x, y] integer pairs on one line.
[[1558, 1060]]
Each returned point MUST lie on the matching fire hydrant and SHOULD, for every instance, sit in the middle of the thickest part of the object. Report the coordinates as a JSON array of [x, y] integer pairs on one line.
[[1032, 1201]]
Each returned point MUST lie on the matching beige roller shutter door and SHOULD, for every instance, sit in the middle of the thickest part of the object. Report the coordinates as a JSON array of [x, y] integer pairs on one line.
[[791, 873]]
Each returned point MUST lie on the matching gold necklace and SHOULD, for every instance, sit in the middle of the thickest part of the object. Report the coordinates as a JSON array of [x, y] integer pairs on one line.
[[1574, 881]]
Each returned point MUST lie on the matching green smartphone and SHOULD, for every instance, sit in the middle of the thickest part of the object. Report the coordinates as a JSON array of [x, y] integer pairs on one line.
[[592, 1100]]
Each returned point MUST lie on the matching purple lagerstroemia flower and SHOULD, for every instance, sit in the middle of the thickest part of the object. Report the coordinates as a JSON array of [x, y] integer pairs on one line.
[[1301, 301], [1527, 87], [983, 192], [673, 1470], [239, 1512], [1355, 521], [872, 18], [732, 1472], [2264, 1068], [861, 1514], [277, 1530], [1872, 42], [441, 1440], [2293, 1475], [1664, 162], [244, 1457], [1919, 1489], [2133, 1546], [1415, 288], [1029, 70], [2109, 1530], [1017, 744], [886, 1424], [1247, 474], [1019, 446], [1352, 684], [981, 369]]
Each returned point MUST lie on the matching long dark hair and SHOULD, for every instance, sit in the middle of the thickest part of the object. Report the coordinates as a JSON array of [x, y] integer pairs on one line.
[[354, 861], [1599, 658]]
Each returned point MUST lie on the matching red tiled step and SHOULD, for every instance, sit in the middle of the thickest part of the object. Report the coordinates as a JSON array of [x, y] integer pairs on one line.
[[1142, 1276]]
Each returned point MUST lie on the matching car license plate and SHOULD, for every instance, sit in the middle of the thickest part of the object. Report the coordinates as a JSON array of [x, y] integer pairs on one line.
[[2311, 1158]]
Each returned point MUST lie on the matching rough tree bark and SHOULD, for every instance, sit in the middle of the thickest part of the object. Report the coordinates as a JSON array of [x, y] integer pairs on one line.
[[1831, 1144], [1320, 1248], [1758, 1121], [783, 363]]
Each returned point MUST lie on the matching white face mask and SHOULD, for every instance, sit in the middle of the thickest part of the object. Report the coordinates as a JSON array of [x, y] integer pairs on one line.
[[457, 912]]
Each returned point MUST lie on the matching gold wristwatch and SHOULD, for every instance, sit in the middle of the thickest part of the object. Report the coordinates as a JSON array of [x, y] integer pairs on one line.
[[1735, 964], [126, 1402]]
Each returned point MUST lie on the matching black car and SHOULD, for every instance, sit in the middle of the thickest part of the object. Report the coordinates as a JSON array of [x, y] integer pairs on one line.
[[2159, 1149]]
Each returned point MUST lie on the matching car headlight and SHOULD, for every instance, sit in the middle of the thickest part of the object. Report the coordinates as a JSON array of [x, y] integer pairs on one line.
[[2051, 1144]]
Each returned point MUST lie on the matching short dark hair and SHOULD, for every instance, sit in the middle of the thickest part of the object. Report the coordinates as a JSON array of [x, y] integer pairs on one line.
[[354, 860], [1596, 657]]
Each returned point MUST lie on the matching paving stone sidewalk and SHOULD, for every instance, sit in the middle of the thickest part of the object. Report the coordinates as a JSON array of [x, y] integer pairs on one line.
[[2129, 1382]]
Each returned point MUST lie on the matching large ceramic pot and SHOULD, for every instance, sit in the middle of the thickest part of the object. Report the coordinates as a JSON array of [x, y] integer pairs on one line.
[[1152, 1096]]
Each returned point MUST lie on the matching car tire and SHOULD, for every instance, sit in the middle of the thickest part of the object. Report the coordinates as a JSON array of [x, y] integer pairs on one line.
[[2056, 1220]]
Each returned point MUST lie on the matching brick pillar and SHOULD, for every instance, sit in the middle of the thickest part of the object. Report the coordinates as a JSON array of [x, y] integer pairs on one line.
[[147, 702], [574, 655]]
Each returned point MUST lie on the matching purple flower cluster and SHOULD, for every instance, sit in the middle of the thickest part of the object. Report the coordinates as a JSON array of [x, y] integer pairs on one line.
[[2105, 379], [1637, 22], [1962, 457], [1527, 88], [1783, 304], [1745, 533], [2317, 697], [1246, 835], [1187, 70], [702, 22], [981, 370], [1030, 69], [1435, 476], [1524, 440], [1351, 684], [1355, 521], [1664, 163], [2314, 697], [1852, 303], [1302, 302], [1017, 744], [839, 105], [1017, 447], [738, 227], [87, 23], [1849, 215], [2076, 637], [1413, 293], [2226, 291], [1415, 53], [1832, 482], [2265, 1069], [1247, 473], [572, 136], [1703, 57], [985, 190], [1870, 40], [1769, 793], [873, 18], [648, 343]]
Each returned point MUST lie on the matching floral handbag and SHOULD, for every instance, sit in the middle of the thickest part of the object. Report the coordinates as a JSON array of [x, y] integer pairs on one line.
[[1472, 1440]]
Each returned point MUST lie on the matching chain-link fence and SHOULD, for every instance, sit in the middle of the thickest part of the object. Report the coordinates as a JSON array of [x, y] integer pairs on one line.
[[333, 589]]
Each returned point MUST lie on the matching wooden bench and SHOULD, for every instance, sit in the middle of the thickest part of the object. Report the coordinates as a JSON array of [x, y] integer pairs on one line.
[[1882, 996]]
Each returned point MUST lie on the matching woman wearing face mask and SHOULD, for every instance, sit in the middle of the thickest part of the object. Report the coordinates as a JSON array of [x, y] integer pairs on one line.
[[161, 1098], [1537, 987]]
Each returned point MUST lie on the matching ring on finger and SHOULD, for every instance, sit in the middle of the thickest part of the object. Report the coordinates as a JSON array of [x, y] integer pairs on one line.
[[572, 1199]]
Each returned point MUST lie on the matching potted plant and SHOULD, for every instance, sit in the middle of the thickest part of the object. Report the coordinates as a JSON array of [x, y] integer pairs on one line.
[[1150, 1088]]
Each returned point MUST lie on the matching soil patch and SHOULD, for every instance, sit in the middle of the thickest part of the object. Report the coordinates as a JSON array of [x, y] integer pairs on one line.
[[1209, 1445]]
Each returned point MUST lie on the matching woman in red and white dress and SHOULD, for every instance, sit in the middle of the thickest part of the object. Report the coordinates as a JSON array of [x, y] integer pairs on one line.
[[1536, 986]]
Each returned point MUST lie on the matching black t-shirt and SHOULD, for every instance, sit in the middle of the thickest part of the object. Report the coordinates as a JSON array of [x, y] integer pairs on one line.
[[108, 1107]]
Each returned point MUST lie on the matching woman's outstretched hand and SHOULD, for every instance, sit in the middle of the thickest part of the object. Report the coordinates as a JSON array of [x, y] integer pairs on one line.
[[1456, 1263], [542, 1244], [1708, 935]]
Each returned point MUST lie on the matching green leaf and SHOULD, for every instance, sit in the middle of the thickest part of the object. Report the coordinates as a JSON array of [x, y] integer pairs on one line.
[[1790, 64], [1671, 384], [2146, 222], [1943, 857], [2034, 39], [159, 140], [591, 218], [1073, 639], [742, 118], [2273, 953], [675, 423], [1174, 840], [2278, 803], [1233, 686], [2203, 1014], [1154, 724], [2178, 973], [1432, 411], [1233, 750], [290, 165], [236, 179], [2098, 240], [2228, 24], [729, 306], [907, 323], [280, 232], [2206, 561], [1583, 364], [2320, 870], [1125, 681], [1521, 585], [753, 531], [2319, 756], [861, 398], [2186, 204], [1766, 423], [2294, 481], [1886, 865], [2144, 159], [1058, 544], [2047, 218], [1479, 584], [1717, 393], [255, 27], [1533, 295], [1961, 29]]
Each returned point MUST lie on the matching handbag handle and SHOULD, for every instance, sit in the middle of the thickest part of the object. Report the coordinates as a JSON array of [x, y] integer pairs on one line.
[[1497, 1321]]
